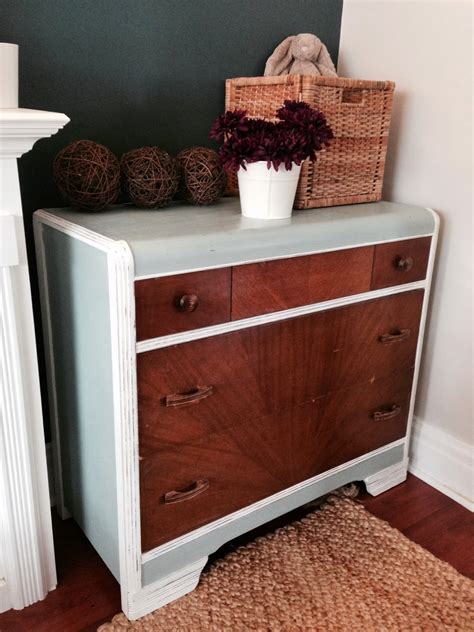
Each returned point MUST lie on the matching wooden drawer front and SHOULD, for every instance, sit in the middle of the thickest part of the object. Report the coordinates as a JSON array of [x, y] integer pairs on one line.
[[348, 427], [400, 262], [246, 462], [272, 286], [235, 481], [254, 372], [168, 305]]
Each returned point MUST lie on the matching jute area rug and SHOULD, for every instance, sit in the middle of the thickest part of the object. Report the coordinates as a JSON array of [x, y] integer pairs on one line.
[[339, 568]]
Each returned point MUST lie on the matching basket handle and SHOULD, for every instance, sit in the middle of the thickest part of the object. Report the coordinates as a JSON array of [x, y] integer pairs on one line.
[[353, 96]]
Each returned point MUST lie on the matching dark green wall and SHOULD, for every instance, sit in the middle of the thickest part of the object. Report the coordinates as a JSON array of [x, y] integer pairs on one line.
[[130, 73]]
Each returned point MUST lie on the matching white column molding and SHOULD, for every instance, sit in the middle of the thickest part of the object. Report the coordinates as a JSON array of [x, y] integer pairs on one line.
[[27, 566]]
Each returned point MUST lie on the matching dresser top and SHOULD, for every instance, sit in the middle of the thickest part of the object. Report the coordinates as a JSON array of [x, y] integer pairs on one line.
[[183, 238]]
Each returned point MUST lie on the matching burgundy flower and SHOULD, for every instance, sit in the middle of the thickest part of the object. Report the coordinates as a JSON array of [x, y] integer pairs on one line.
[[300, 132], [228, 123]]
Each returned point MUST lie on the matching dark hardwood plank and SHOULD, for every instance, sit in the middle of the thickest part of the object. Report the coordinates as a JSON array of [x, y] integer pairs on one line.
[[400, 262], [270, 286], [256, 371], [168, 305], [429, 518]]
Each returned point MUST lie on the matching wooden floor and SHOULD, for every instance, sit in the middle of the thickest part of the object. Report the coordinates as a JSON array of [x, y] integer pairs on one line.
[[88, 595]]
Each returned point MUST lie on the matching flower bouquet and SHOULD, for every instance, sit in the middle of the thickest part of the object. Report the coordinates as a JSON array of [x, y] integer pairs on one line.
[[267, 155]]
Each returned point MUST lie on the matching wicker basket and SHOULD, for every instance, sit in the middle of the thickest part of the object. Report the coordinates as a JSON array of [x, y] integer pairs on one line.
[[351, 169]]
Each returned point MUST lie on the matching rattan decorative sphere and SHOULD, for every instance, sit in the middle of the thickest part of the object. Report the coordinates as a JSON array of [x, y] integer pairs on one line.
[[87, 174], [150, 176], [202, 175]]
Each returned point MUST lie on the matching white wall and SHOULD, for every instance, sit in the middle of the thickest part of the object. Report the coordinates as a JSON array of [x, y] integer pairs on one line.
[[426, 48]]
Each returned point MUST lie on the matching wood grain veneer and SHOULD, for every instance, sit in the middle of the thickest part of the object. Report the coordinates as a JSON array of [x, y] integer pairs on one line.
[[258, 457], [258, 370], [400, 262], [168, 305], [270, 286]]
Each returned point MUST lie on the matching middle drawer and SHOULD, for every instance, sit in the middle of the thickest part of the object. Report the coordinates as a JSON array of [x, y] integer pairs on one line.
[[190, 390]]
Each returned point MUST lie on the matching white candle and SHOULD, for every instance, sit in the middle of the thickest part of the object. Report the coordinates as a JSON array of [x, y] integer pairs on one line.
[[8, 75]]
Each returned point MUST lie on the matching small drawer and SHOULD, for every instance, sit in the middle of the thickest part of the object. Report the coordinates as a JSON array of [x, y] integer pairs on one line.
[[168, 305], [185, 487], [272, 286], [400, 262]]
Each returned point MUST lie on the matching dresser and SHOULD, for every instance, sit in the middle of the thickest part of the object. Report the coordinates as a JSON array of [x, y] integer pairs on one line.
[[208, 372]]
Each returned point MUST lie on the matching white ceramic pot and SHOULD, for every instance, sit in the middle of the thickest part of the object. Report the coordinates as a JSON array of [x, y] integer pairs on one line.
[[266, 193]]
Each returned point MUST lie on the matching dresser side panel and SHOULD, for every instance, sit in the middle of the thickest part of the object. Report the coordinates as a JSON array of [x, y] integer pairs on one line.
[[78, 297]]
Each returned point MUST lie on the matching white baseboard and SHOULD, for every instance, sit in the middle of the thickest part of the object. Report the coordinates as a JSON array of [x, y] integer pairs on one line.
[[444, 462], [5, 603], [50, 465]]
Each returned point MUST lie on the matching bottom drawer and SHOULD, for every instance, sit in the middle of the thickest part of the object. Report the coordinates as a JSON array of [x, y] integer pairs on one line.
[[183, 487]]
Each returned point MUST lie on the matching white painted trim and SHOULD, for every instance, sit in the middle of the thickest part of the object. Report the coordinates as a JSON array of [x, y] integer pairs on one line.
[[5, 601], [20, 128], [215, 330], [444, 462], [197, 533], [122, 314], [74, 230], [26, 537], [421, 332], [387, 478], [164, 591]]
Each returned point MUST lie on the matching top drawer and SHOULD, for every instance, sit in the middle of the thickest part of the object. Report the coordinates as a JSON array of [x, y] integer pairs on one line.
[[168, 305], [272, 286], [182, 302], [400, 262]]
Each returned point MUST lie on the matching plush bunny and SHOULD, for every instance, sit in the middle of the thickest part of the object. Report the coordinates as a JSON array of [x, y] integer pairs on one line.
[[302, 54]]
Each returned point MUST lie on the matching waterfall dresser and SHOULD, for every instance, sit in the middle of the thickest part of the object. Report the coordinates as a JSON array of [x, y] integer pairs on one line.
[[208, 373]]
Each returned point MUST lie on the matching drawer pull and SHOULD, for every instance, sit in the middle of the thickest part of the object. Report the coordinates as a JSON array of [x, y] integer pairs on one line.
[[191, 397], [188, 303], [404, 263], [386, 413], [196, 488], [395, 336]]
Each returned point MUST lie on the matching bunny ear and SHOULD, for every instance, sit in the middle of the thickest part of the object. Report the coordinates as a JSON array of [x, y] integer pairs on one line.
[[324, 59], [280, 59]]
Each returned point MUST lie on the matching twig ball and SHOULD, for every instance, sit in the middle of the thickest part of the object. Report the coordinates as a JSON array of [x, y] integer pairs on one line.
[[202, 175], [87, 174], [150, 176]]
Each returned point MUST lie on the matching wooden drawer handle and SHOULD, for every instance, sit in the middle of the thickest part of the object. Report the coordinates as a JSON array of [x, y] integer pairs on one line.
[[196, 488], [396, 336], [404, 263], [386, 413], [191, 397], [188, 303]]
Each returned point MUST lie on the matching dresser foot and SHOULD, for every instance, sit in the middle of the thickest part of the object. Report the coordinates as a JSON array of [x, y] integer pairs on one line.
[[163, 591], [386, 478]]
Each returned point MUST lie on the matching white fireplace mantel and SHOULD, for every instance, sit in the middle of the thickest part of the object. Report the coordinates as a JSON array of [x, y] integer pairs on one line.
[[27, 566]]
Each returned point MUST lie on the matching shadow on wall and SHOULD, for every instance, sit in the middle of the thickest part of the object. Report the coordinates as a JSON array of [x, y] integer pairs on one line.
[[397, 121]]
